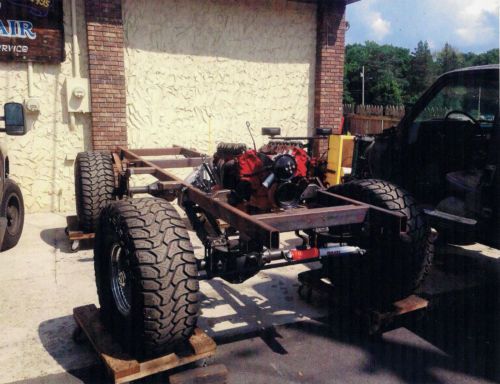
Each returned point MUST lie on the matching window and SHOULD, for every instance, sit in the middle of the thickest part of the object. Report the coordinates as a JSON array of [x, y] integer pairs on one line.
[[476, 97]]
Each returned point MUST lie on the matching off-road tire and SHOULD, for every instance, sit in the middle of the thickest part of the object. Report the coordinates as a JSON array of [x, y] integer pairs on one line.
[[393, 267], [94, 186], [161, 271], [12, 207]]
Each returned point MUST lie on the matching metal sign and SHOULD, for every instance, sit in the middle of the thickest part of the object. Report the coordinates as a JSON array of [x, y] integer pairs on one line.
[[31, 30]]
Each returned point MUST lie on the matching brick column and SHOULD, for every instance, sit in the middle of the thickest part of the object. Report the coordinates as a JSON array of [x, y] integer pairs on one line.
[[329, 79], [107, 73]]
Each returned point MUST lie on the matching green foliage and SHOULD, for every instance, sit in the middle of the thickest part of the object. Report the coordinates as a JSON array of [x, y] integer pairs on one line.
[[422, 71], [386, 64], [394, 75], [449, 59]]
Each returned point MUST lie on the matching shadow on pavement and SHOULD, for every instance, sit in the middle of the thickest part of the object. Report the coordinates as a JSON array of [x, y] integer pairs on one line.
[[276, 301], [458, 340], [78, 359], [56, 237]]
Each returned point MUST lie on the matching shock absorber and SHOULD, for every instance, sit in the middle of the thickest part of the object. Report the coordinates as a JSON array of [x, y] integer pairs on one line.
[[297, 255], [319, 253]]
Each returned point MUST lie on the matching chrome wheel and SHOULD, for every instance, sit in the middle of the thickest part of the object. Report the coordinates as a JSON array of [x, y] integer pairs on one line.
[[120, 280]]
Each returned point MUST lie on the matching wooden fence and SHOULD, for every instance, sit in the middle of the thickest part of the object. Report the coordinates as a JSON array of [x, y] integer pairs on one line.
[[371, 119]]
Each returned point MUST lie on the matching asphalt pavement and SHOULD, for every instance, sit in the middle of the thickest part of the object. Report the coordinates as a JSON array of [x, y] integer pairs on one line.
[[265, 332]]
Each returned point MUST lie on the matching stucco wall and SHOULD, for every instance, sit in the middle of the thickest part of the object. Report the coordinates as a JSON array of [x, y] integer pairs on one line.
[[42, 160], [196, 71]]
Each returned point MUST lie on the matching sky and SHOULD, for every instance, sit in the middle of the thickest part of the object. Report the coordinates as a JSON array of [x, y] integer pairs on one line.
[[469, 25]]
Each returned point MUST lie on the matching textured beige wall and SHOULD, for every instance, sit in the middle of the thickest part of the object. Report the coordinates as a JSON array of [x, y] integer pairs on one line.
[[42, 160], [196, 71]]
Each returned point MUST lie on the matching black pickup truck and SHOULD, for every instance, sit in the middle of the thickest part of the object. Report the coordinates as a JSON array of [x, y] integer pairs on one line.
[[445, 152]]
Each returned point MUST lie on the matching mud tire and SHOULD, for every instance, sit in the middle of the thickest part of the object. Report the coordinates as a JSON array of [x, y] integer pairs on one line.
[[161, 272], [94, 187], [392, 268], [12, 207]]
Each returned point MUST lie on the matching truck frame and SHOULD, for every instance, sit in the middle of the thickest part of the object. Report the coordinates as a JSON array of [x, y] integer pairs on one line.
[[330, 209], [146, 272]]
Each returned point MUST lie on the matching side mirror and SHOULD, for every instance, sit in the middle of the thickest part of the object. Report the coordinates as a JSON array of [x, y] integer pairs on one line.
[[271, 131], [14, 119], [323, 131]]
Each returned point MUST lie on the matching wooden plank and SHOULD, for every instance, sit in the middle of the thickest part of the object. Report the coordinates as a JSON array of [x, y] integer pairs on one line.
[[314, 281], [73, 231], [79, 235], [214, 374], [165, 363], [410, 304], [201, 343], [121, 366]]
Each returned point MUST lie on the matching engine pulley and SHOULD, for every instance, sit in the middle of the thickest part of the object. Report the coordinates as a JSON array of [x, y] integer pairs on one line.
[[284, 167], [287, 195]]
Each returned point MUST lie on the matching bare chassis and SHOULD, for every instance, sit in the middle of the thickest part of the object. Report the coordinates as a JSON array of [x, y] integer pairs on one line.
[[329, 209]]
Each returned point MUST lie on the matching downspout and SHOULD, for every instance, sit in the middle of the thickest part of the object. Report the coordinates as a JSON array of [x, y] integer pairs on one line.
[[75, 54], [32, 103], [75, 48], [30, 79]]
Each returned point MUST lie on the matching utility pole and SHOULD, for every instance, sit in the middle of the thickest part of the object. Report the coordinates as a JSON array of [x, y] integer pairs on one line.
[[363, 87]]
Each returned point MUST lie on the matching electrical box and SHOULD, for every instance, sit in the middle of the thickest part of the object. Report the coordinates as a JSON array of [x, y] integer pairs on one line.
[[78, 95], [32, 104]]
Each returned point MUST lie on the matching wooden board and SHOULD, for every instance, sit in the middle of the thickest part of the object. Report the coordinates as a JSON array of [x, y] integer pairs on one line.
[[410, 304], [124, 368], [314, 280], [73, 231]]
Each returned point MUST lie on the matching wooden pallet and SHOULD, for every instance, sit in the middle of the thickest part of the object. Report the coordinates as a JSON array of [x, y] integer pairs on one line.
[[379, 320], [124, 368], [75, 234]]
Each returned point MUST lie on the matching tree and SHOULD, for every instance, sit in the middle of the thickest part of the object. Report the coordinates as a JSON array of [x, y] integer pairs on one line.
[[393, 75], [386, 69], [490, 57], [356, 57], [422, 72], [449, 59]]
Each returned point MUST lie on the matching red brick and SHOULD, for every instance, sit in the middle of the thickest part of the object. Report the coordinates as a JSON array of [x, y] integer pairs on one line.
[[106, 72], [329, 68]]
